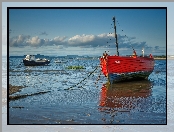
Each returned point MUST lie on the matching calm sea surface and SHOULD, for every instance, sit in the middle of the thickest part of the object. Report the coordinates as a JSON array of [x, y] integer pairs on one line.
[[92, 101]]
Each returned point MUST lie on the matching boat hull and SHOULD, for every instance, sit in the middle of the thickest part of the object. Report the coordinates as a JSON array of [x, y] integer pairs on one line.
[[123, 68], [118, 77], [35, 63]]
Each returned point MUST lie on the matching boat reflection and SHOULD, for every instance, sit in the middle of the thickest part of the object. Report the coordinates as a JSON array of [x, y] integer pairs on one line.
[[124, 97]]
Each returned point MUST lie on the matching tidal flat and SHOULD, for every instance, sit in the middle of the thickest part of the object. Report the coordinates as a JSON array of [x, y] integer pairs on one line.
[[92, 101]]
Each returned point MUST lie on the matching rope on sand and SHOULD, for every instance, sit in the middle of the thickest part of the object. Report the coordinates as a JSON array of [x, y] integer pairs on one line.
[[83, 79]]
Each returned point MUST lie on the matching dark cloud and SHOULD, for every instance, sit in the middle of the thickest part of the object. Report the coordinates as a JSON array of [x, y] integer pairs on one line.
[[156, 47], [43, 33]]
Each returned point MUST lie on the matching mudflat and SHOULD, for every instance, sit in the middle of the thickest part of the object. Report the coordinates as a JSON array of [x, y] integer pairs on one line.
[[14, 89]]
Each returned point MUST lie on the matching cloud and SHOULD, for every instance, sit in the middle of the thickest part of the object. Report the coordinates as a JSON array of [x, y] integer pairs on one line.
[[60, 47], [35, 41], [43, 33], [59, 39], [94, 44], [89, 40], [156, 47], [18, 41], [26, 40], [83, 41]]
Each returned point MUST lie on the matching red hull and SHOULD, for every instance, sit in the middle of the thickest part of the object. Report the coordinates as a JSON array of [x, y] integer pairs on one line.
[[124, 68]]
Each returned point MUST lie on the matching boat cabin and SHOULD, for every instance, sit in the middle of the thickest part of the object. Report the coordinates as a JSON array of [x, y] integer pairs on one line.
[[30, 57]]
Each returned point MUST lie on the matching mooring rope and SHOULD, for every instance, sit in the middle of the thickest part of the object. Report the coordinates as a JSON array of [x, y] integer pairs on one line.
[[83, 79]]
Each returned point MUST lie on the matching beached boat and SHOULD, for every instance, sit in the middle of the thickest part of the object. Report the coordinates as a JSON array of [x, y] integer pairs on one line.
[[123, 68], [30, 60]]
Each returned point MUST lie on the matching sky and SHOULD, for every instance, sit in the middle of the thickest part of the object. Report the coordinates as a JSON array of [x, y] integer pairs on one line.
[[89, 31]]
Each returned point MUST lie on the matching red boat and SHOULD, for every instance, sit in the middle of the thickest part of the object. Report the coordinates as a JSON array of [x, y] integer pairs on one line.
[[123, 68]]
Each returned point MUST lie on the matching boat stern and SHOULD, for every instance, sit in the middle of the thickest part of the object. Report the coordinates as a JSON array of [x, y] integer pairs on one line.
[[103, 66]]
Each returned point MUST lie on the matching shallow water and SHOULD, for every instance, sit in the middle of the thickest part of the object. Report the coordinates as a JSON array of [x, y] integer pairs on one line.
[[91, 102]]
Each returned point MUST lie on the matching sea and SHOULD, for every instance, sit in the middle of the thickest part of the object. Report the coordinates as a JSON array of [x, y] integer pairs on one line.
[[58, 95]]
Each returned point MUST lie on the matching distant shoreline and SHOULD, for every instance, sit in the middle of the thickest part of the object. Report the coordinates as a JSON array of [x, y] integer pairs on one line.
[[160, 58]]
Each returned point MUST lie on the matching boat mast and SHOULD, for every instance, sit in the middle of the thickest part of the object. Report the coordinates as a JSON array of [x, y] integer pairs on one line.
[[115, 35]]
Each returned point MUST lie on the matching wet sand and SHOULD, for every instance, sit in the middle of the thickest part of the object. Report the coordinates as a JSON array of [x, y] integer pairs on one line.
[[14, 89]]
